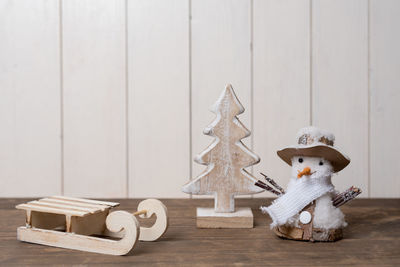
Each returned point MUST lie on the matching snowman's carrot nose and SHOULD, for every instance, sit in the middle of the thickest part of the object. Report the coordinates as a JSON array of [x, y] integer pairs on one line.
[[305, 171]]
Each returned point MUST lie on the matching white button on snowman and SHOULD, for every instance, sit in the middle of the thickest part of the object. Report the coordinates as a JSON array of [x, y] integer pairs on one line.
[[305, 217], [307, 204]]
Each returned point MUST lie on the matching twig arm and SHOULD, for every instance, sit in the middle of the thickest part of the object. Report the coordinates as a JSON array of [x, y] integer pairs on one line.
[[267, 187], [273, 183], [346, 196]]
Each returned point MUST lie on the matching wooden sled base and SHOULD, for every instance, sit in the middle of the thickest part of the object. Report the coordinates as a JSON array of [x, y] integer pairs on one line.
[[87, 225], [208, 218], [116, 221], [321, 235]]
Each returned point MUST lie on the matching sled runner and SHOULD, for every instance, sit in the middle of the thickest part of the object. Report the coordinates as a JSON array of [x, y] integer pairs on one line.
[[88, 225]]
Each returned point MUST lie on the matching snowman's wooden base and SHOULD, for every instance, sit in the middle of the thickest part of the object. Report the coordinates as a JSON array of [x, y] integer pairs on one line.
[[208, 218], [321, 235]]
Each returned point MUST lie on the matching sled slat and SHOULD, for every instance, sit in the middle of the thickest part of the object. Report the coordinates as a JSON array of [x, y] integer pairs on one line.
[[90, 201], [74, 203], [62, 206], [51, 210]]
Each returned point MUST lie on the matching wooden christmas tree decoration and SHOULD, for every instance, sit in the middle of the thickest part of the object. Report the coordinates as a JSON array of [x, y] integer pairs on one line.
[[225, 175]]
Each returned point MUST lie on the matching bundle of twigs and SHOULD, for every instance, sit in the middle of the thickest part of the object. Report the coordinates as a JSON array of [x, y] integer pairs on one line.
[[346, 196], [265, 186]]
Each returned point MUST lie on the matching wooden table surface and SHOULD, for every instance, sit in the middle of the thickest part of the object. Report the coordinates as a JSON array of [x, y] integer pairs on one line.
[[371, 239]]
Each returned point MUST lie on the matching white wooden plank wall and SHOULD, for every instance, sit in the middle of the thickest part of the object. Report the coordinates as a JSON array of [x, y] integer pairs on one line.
[[281, 81], [340, 82], [384, 97], [159, 110], [30, 143], [109, 98], [94, 96]]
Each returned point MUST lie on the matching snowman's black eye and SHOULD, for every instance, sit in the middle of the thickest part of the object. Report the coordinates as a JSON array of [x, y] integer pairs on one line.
[[300, 160], [321, 163]]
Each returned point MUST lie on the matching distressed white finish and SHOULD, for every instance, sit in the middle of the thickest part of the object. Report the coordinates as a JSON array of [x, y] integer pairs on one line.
[[133, 121], [30, 144], [94, 98], [226, 157], [385, 98], [159, 110]]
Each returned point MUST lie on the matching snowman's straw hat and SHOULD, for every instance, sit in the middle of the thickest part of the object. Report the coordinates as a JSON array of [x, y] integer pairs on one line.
[[314, 142]]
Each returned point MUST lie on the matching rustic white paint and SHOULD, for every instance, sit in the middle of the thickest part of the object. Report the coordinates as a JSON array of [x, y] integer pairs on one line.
[[385, 97], [226, 157], [30, 144], [340, 82], [132, 122], [94, 98], [281, 81], [220, 37], [159, 116]]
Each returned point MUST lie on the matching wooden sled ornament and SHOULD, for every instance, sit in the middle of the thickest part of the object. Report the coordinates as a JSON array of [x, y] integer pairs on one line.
[[88, 225]]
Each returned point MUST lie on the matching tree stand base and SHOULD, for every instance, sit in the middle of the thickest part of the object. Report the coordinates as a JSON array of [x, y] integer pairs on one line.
[[322, 235], [208, 218]]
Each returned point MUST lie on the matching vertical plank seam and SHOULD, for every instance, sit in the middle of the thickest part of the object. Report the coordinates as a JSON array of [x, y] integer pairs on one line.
[[61, 96], [369, 94], [251, 80], [126, 101], [190, 91], [311, 60]]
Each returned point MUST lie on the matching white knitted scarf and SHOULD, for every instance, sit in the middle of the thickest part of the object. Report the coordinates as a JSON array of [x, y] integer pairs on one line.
[[300, 193]]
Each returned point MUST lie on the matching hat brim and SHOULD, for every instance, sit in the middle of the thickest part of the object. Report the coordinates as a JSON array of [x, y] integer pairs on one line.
[[338, 160]]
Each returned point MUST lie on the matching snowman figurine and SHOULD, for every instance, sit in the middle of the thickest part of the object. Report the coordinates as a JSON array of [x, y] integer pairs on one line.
[[308, 208]]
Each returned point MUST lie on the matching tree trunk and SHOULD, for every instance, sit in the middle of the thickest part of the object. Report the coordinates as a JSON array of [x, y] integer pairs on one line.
[[224, 202]]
